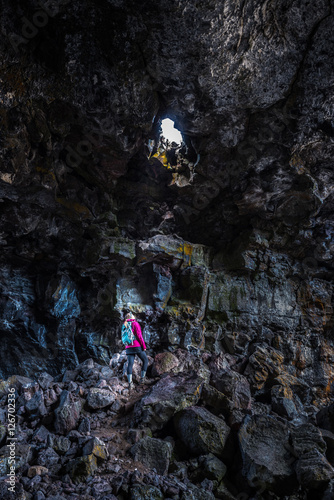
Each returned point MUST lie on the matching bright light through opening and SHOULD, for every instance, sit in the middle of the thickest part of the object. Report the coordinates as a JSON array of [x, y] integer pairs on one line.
[[169, 132]]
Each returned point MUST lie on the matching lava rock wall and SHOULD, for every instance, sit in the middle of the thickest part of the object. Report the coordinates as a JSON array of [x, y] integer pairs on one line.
[[229, 249]]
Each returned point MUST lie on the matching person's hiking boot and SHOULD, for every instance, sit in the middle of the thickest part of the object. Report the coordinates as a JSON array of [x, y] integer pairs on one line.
[[142, 380], [131, 386]]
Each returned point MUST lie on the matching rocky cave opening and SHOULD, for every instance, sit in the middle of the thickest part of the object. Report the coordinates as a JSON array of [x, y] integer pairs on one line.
[[221, 245]]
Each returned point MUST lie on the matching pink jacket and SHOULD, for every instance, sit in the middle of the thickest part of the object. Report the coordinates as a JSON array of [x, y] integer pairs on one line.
[[137, 331]]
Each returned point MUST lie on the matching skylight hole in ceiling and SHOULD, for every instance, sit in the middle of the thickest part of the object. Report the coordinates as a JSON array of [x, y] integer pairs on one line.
[[169, 132]]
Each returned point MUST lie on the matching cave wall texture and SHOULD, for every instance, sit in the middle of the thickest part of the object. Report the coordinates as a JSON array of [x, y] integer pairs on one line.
[[233, 253]]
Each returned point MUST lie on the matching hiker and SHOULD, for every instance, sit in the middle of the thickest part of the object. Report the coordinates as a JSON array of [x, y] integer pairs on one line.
[[137, 347]]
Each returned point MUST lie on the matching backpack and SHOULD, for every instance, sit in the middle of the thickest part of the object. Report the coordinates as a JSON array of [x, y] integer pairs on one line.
[[127, 334]]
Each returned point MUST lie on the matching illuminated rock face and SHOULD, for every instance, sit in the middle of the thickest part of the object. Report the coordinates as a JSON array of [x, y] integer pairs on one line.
[[224, 246]]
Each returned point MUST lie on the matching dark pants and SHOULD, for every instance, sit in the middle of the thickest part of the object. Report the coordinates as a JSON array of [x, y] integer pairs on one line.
[[131, 358]]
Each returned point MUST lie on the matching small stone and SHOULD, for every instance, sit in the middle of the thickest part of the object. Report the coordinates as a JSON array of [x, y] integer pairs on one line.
[[50, 397], [81, 468], [140, 492], [60, 444], [47, 457], [213, 468], [99, 398], [74, 435], [39, 495], [102, 383], [67, 414], [58, 388], [107, 373], [44, 380], [72, 451], [100, 489], [201, 431], [216, 399], [116, 406], [70, 376], [207, 484], [198, 493], [84, 426], [117, 483], [153, 453], [35, 406], [72, 386], [283, 401], [96, 447], [313, 470], [88, 364], [164, 362], [134, 435], [40, 435], [37, 470]]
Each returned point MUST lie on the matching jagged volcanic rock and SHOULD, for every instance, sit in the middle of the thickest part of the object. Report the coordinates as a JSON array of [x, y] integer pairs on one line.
[[222, 247]]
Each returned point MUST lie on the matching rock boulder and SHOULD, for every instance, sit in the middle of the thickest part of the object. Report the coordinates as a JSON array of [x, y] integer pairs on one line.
[[67, 414], [99, 398], [153, 453], [266, 454], [169, 396], [200, 431]]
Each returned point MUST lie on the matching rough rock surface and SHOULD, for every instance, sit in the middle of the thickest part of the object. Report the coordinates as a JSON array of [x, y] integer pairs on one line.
[[164, 362], [267, 458], [155, 440], [99, 398], [153, 453], [222, 247], [67, 413], [167, 397], [231, 383], [200, 431], [212, 467]]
